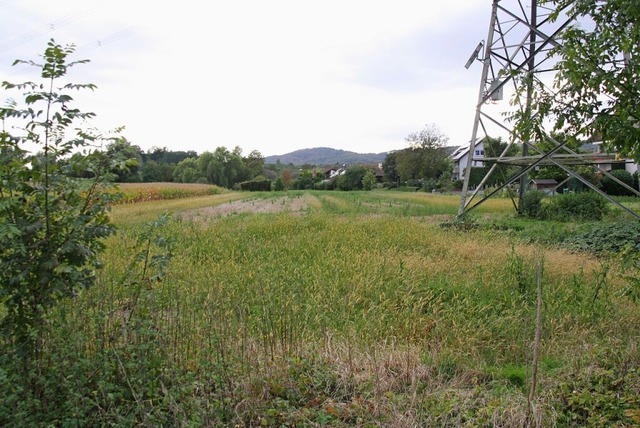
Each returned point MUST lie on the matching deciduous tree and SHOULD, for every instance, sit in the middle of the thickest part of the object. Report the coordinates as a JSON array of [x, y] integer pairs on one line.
[[52, 223], [598, 75], [425, 158]]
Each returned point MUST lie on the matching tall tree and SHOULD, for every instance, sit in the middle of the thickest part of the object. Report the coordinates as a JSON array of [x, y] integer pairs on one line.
[[389, 168], [425, 158], [255, 163], [123, 151], [598, 75], [352, 178], [187, 171]]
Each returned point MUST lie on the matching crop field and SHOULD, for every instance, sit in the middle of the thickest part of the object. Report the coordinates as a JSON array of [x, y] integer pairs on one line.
[[145, 192], [345, 309]]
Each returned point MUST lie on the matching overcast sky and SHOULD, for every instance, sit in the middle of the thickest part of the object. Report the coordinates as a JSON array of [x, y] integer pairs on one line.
[[273, 76]]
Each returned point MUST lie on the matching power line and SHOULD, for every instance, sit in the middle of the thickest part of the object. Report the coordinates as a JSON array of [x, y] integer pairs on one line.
[[111, 38], [47, 28], [25, 38]]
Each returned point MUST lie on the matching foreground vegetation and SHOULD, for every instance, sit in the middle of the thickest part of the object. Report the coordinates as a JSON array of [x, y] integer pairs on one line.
[[360, 309]]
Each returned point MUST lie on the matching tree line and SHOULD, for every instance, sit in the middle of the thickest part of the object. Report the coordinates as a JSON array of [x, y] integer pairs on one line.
[[222, 167]]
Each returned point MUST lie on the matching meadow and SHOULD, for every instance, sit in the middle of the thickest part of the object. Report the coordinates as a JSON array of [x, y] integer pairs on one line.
[[342, 309]]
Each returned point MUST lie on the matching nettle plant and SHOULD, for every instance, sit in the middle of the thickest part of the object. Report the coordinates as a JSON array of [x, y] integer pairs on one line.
[[54, 203]]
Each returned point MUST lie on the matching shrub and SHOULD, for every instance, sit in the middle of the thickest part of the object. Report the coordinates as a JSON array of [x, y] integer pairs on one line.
[[531, 205], [430, 185], [256, 186], [568, 206], [279, 186], [51, 223], [581, 206], [610, 187], [352, 178], [369, 180]]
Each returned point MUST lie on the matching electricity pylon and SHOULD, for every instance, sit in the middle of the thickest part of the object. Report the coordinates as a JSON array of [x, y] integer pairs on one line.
[[519, 43]]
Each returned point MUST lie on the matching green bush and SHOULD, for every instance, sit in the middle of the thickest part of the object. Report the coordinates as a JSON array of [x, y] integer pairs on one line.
[[567, 206], [430, 184], [52, 224], [256, 186], [279, 186], [610, 187], [352, 178], [531, 206], [576, 206], [369, 180]]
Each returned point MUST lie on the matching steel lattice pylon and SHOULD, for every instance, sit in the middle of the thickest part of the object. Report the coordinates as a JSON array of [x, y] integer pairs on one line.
[[520, 38]]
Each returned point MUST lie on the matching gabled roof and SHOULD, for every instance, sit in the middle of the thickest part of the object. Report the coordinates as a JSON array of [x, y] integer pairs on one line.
[[449, 150], [460, 152], [463, 150]]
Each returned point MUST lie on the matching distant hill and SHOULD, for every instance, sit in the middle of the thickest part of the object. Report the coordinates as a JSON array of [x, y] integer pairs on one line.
[[325, 156]]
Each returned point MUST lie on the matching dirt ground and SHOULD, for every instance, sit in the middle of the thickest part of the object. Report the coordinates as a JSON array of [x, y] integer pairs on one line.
[[296, 206]]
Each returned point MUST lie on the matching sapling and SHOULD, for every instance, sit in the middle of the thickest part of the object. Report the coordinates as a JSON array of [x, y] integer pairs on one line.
[[52, 221]]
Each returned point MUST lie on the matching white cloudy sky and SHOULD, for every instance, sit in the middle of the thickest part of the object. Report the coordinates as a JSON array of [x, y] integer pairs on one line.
[[273, 76]]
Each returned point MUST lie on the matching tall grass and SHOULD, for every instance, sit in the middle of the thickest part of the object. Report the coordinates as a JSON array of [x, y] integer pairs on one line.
[[337, 317], [144, 192]]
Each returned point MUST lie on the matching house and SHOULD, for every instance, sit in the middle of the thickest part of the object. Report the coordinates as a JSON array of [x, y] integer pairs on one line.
[[547, 185], [460, 158], [608, 161], [379, 171], [334, 172]]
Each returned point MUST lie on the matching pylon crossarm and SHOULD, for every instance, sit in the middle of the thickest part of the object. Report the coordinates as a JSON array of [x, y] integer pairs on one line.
[[582, 179], [577, 159], [606, 173], [595, 188], [515, 177]]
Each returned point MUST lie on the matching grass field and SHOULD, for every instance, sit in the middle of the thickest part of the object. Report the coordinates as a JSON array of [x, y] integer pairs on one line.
[[343, 309]]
